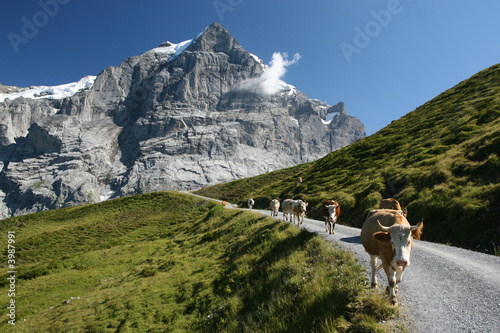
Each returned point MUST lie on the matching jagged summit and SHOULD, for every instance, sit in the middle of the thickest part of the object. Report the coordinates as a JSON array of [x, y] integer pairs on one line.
[[215, 38], [170, 118]]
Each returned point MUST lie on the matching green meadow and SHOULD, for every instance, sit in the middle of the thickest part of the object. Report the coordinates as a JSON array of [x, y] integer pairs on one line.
[[171, 262]]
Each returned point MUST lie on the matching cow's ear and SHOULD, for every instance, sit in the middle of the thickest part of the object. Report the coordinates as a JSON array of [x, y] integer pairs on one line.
[[417, 232], [382, 236]]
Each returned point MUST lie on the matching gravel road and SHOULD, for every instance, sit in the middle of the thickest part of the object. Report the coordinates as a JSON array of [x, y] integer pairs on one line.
[[445, 289]]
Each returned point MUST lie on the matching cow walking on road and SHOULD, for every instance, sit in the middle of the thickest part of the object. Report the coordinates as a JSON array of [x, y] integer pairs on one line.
[[299, 209], [330, 211], [274, 205], [391, 203], [286, 207], [386, 234]]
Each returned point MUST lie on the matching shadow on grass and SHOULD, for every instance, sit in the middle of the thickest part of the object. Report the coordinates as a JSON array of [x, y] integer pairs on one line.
[[258, 286]]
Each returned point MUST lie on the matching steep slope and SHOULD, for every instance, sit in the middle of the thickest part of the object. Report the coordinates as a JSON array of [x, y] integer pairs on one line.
[[179, 116], [441, 161]]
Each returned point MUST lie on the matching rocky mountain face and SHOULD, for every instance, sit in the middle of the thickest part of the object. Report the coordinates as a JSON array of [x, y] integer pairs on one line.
[[175, 117]]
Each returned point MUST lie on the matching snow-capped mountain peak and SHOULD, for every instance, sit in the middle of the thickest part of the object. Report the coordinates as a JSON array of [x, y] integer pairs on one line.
[[171, 49], [51, 92]]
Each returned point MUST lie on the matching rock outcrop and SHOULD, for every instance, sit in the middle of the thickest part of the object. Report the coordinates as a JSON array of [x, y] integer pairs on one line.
[[170, 118]]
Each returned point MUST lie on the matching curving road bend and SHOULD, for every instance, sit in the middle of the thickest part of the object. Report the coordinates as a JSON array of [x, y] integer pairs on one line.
[[445, 289]]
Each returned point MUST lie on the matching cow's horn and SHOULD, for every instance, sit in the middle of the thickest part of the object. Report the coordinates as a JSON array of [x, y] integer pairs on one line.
[[382, 227]]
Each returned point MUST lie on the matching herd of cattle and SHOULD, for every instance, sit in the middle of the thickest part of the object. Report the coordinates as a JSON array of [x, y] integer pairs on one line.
[[386, 234]]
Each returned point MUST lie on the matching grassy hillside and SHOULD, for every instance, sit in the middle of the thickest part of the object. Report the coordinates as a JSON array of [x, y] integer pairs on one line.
[[441, 161], [168, 262]]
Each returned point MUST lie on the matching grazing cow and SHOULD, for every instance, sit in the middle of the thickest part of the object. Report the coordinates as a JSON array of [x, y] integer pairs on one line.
[[331, 212], [392, 204], [250, 203], [287, 207], [299, 208], [274, 205], [386, 234]]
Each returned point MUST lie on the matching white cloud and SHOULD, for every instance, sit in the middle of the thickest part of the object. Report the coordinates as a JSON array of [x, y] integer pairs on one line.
[[269, 82]]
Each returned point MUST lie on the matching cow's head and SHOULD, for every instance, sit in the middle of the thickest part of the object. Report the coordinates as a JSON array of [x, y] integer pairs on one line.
[[332, 209], [302, 206], [400, 237]]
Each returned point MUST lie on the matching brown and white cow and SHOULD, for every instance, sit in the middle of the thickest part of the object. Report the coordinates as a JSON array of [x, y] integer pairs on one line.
[[287, 208], [274, 205], [391, 203], [299, 208], [330, 211], [386, 234]]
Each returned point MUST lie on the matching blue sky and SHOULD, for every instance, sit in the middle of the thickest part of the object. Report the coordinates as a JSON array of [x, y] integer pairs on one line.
[[383, 58]]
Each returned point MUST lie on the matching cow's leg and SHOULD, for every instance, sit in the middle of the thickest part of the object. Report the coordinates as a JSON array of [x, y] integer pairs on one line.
[[391, 278], [326, 225], [332, 226], [399, 277], [373, 263]]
